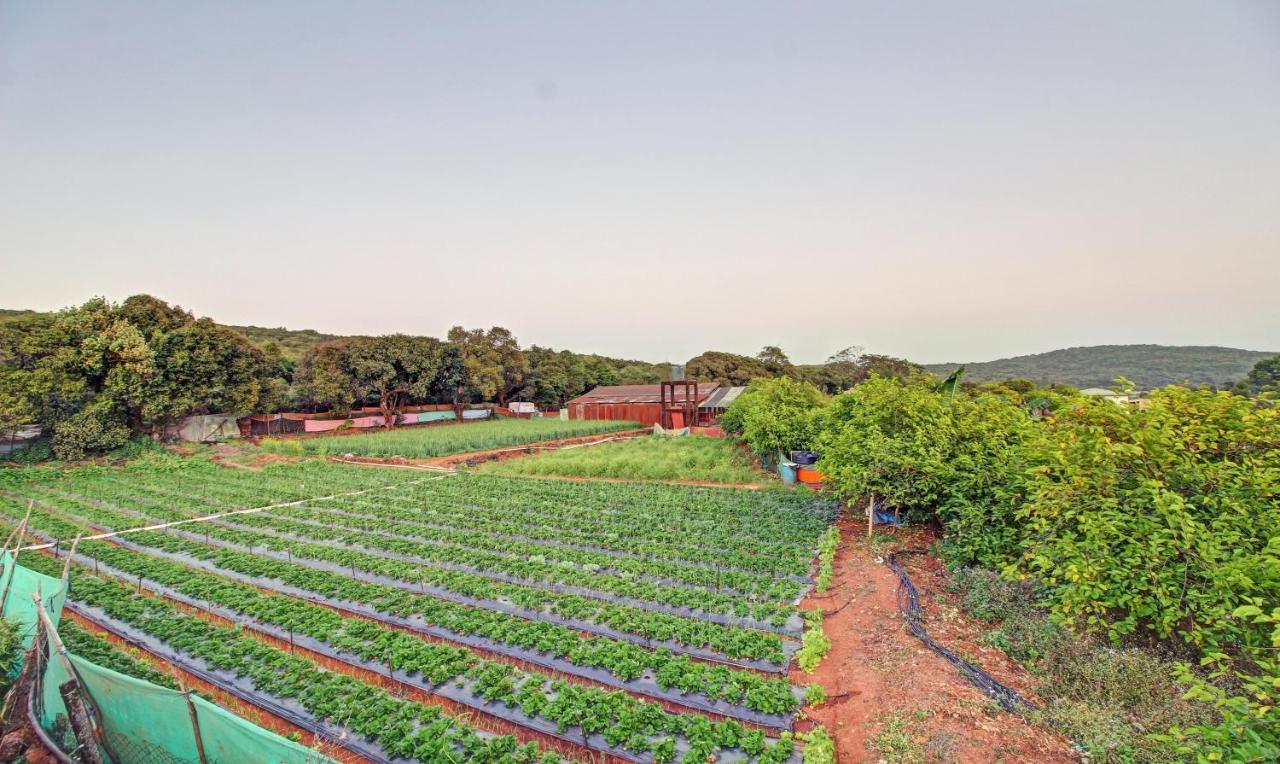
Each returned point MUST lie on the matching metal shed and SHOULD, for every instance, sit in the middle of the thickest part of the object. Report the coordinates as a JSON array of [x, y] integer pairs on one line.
[[715, 404]]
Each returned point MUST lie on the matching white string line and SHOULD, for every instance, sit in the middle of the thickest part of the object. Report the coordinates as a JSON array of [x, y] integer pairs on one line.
[[206, 518]]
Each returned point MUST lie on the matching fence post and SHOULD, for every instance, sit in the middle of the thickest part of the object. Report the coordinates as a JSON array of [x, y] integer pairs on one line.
[[195, 722], [73, 694]]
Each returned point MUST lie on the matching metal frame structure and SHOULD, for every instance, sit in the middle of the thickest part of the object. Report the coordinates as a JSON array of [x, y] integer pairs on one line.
[[688, 406]]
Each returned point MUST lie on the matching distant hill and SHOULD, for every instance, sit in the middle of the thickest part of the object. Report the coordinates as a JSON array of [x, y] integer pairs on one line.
[[1149, 366]]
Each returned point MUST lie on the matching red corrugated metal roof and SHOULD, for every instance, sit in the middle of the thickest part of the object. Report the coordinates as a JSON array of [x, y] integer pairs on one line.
[[636, 394]]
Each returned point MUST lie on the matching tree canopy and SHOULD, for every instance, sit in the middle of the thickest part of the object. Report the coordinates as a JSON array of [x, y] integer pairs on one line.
[[92, 374]]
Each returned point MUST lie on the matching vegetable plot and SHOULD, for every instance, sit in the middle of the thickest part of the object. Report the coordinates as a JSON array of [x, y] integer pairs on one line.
[[673, 603]]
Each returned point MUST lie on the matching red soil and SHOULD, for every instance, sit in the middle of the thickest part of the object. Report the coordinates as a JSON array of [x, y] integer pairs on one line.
[[876, 670]]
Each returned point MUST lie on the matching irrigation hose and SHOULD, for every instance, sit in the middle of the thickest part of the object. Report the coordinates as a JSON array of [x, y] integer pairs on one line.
[[909, 607]]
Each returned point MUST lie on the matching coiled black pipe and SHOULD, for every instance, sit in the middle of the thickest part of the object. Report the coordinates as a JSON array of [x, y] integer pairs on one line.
[[909, 607]]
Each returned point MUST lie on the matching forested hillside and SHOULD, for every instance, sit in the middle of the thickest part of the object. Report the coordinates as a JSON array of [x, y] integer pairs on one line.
[[1149, 366]]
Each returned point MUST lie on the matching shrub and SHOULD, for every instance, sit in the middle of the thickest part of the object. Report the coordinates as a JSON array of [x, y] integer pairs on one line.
[[779, 414], [95, 429], [1164, 520]]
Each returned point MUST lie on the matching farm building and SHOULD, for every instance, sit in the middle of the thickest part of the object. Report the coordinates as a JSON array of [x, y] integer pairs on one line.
[[717, 403], [635, 403]]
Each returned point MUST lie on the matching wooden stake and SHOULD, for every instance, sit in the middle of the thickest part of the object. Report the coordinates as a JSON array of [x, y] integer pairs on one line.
[[66, 566], [871, 513], [78, 716], [73, 694], [195, 722]]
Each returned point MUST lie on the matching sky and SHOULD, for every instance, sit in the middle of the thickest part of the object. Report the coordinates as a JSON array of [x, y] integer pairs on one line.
[[938, 181]]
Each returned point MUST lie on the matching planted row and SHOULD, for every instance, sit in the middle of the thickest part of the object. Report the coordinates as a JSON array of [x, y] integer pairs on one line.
[[400, 727], [689, 633], [633, 724]]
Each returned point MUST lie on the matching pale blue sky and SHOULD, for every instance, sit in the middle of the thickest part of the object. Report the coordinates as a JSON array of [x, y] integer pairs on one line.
[[942, 181]]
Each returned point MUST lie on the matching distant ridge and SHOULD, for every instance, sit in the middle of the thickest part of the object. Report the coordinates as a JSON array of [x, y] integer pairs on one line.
[[1148, 366]]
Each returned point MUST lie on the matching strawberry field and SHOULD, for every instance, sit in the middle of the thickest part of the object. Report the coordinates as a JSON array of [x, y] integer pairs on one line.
[[489, 618]]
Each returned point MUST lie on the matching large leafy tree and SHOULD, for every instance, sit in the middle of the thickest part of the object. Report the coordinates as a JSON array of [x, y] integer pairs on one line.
[[729, 369], [91, 374], [853, 365], [393, 369], [776, 361], [323, 379], [16, 408], [957, 458], [496, 367], [205, 368]]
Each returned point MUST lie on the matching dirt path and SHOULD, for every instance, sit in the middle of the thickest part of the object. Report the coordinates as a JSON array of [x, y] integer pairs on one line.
[[890, 699]]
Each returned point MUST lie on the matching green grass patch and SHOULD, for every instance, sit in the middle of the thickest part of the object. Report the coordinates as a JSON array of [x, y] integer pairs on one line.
[[1108, 700], [423, 441], [696, 457]]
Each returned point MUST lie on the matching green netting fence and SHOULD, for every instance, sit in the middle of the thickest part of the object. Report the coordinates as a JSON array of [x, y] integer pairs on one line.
[[135, 720]]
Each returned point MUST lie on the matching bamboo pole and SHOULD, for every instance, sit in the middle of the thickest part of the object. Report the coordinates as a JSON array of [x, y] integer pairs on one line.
[[871, 513]]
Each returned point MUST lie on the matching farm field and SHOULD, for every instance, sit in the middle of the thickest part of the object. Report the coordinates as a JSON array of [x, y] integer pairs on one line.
[[425, 441], [694, 458], [667, 613]]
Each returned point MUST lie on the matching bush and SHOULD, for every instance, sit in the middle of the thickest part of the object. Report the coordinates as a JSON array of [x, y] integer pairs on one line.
[[779, 414], [1163, 521], [930, 454], [95, 429]]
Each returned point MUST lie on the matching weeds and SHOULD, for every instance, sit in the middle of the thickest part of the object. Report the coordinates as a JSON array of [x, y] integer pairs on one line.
[[713, 460], [1110, 701], [894, 743]]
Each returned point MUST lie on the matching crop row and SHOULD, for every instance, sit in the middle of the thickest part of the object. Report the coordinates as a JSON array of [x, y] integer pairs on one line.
[[734, 536], [530, 595], [627, 624], [534, 641], [622, 511], [622, 721], [400, 727], [436, 665], [324, 523], [715, 527], [100, 652], [625, 661], [589, 531]]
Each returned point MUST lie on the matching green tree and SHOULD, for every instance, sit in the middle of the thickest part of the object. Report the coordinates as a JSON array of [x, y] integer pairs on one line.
[[496, 367], [853, 365], [323, 378], [1263, 379], [393, 369], [728, 369], [99, 369], [780, 414], [16, 409], [776, 361]]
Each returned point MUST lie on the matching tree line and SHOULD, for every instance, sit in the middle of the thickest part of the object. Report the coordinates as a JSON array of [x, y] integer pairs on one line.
[[92, 376]]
